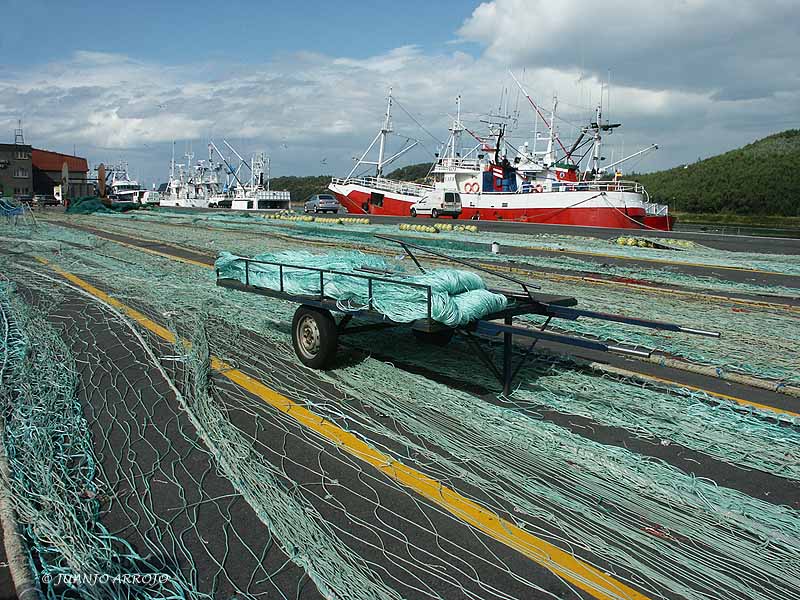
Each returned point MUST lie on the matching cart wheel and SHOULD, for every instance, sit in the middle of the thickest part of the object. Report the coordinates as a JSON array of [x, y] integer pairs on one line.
[[434, 214], [434, 338], [314, 337]]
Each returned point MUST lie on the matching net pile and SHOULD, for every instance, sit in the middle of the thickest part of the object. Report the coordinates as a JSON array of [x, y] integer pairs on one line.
[[457, 297], [747, 346]]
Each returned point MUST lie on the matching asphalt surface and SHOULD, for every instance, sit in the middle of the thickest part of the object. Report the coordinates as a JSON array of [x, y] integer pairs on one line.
[[711, 384], [364, 502], [722, 241]]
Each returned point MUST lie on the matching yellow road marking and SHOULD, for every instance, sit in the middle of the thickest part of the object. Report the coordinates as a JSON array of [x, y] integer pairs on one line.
[[740, 401], [565, 565], [527, 272]]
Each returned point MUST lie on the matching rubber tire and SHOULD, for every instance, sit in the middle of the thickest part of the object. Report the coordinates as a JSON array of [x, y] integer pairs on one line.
[[434, 338], [434, 213], [414, 213], [328, 336]]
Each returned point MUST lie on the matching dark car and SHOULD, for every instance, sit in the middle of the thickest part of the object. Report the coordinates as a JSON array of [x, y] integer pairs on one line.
[[24, 199], [321, 203], [46, 200]]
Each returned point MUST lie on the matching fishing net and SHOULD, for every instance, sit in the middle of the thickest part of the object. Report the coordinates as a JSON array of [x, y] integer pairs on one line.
[[87, 205], [228, 496], [456, 297], [748, 345]]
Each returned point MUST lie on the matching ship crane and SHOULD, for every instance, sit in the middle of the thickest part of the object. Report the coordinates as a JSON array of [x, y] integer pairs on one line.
[[380, 139], [634, 155]]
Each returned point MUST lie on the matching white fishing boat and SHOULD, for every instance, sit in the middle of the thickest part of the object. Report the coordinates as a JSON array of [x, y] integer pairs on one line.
[[195, 185], [224, 182], [119, 185], [492, 180]]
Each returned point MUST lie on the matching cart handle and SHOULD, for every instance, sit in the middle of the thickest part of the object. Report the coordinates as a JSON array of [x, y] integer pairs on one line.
[[406, 245]]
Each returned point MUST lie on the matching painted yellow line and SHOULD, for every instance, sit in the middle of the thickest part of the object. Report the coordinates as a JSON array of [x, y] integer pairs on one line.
[[174, 257], [740, 401], [160, 331], [579, 573]]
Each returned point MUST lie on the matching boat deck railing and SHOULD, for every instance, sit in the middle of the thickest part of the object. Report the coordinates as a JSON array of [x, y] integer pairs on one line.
[[656, 210], [450, 164], [387, 185]]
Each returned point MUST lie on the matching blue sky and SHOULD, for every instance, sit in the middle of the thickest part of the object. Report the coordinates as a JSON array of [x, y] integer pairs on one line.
[[243, 32], [306, 82]]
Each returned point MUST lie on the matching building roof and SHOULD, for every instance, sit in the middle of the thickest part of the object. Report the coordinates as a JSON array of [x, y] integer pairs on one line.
[[44, 160], [15, 147]]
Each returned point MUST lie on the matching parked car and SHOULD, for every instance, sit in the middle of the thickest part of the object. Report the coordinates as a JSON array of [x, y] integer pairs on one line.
[[46, 200], [321, 203], [226, 203], [438, 204], [24, 199]]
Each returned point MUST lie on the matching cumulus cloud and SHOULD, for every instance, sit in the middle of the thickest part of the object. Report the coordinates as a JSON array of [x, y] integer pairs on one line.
[[682, 75], [735, 49]]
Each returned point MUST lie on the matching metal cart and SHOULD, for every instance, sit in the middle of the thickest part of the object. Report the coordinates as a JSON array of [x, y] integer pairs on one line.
[[315, 330]]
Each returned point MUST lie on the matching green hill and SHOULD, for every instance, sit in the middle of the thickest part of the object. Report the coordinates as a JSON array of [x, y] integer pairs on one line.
[[416, 172], [762, 178], [301, 187]]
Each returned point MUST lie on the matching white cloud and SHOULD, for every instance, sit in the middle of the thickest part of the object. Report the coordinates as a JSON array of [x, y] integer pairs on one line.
[[734, 48], [672, 68]]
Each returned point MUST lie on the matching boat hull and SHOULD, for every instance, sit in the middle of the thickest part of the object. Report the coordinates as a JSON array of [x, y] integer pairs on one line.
[[660, 222], [604, 208]]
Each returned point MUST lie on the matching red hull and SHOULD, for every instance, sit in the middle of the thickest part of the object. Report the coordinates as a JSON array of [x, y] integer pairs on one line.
[[662, 223], [357, 202]]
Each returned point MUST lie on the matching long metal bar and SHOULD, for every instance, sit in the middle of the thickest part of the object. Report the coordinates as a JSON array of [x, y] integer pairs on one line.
[[573, 313], [333, 272], [488, 328], [524, 285], [414, 258]]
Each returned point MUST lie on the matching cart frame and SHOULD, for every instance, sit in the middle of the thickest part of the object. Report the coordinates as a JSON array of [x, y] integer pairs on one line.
[[320, 308]]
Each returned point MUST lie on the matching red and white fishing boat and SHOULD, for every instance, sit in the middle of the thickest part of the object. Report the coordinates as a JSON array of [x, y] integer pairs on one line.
[[531, 186]]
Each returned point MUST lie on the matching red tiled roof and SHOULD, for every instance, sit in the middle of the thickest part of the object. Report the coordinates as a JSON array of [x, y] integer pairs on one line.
[[44, 160]]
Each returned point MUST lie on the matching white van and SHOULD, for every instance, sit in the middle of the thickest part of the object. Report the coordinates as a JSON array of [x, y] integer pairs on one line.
[[438, 204]]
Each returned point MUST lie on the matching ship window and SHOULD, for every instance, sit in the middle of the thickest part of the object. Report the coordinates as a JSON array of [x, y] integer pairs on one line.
[[505, 205], [376, 199], [249, 204]]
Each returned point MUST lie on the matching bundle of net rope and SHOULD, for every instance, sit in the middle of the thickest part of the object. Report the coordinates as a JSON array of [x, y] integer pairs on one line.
[[457, 297]]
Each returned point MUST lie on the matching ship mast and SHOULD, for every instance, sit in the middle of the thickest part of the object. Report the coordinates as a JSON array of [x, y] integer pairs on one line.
[[548, 157], [387, 128], [380, 139], [597, 141]]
